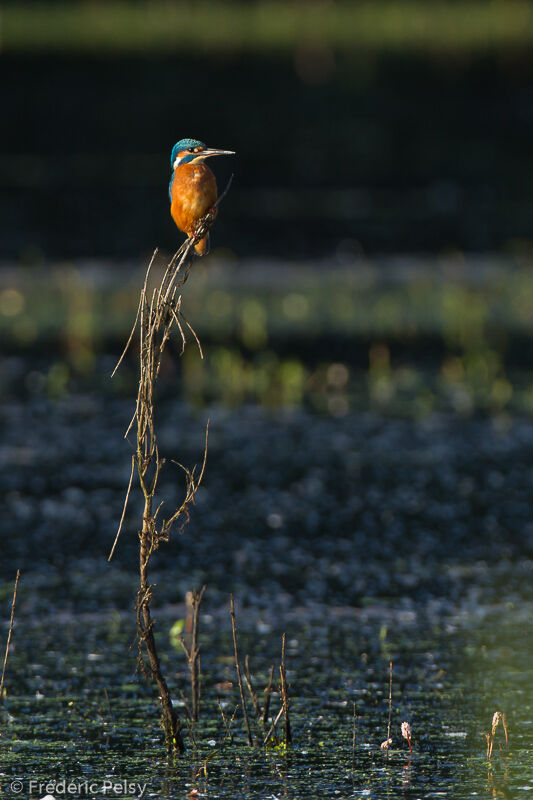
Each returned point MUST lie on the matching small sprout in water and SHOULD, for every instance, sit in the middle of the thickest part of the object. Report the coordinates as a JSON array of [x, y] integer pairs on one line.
[[504, 723], [497, 717], [386, 744], [406, 733]]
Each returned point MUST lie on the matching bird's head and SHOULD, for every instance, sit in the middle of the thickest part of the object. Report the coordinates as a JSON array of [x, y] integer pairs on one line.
[[188, 150]]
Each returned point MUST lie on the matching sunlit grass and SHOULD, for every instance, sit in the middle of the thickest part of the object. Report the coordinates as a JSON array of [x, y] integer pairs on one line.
[[265, 26], [459, 304], [335, 337]]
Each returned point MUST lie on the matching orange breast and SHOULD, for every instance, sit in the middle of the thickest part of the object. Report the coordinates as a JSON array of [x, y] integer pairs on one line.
[[194, 192]]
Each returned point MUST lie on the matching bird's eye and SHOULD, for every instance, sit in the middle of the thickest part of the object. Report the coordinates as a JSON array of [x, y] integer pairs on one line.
[[197, 150]]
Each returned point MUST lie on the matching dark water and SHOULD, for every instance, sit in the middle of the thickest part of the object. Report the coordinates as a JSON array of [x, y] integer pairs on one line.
[[365, 539], [335, 509], [365, 536], [76, 712]]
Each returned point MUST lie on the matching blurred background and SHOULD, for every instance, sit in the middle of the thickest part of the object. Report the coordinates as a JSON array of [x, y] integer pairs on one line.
[[379, 216], [360, 127], [363, 131], [374, 254], [366, 322]]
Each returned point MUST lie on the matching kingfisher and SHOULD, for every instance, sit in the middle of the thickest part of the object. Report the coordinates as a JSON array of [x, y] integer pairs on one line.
[[193, 187]]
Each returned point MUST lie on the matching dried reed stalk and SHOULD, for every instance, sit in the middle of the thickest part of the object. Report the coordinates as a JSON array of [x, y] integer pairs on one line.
[[157, 313], [227, 725], [8, 643], [390, 701], [285, 699], [354, 735], [497, 717], [272, 730], [193, 652], [239, 675], [250, 685], [268, 695]]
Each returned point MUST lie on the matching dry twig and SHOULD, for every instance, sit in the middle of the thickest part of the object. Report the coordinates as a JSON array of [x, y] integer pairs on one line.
[[249, 684], [157, 313], [193, 653], [8, 643], [273, 726], [124, 507], [354, 735], [227, 725], [390, 701], [505, 729], [285, 695], [497, 717], [238, 669], [268, 695]]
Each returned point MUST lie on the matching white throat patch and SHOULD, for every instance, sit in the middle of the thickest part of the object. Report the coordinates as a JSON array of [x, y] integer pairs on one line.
[[196, 160]]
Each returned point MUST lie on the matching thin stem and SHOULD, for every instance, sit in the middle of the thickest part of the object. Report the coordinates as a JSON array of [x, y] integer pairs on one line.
[[11, 621], [193, 652], [239, 676], [249, 684], [354, 733], [273, 726], [119, 362], [123, 509], [390, 702], [285, 695], [268, 695]]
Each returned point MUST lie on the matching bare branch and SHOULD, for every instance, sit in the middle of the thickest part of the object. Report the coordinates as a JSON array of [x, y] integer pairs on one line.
[[224, 193], [238, 669], [124, 508], [155, 320], [194, 334], [136, 317]]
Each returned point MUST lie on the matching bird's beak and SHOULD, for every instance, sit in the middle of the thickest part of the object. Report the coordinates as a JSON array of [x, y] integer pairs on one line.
[[211, 151]]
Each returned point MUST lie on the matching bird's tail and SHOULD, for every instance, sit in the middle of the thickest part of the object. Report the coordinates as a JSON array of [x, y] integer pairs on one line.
[[201, 248]]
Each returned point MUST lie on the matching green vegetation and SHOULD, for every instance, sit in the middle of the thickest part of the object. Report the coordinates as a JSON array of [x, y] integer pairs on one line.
[[381, 25], [450, 299], [441, 333]]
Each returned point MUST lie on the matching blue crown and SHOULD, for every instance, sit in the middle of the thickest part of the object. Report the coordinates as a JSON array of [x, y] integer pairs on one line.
[[184, 144]]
